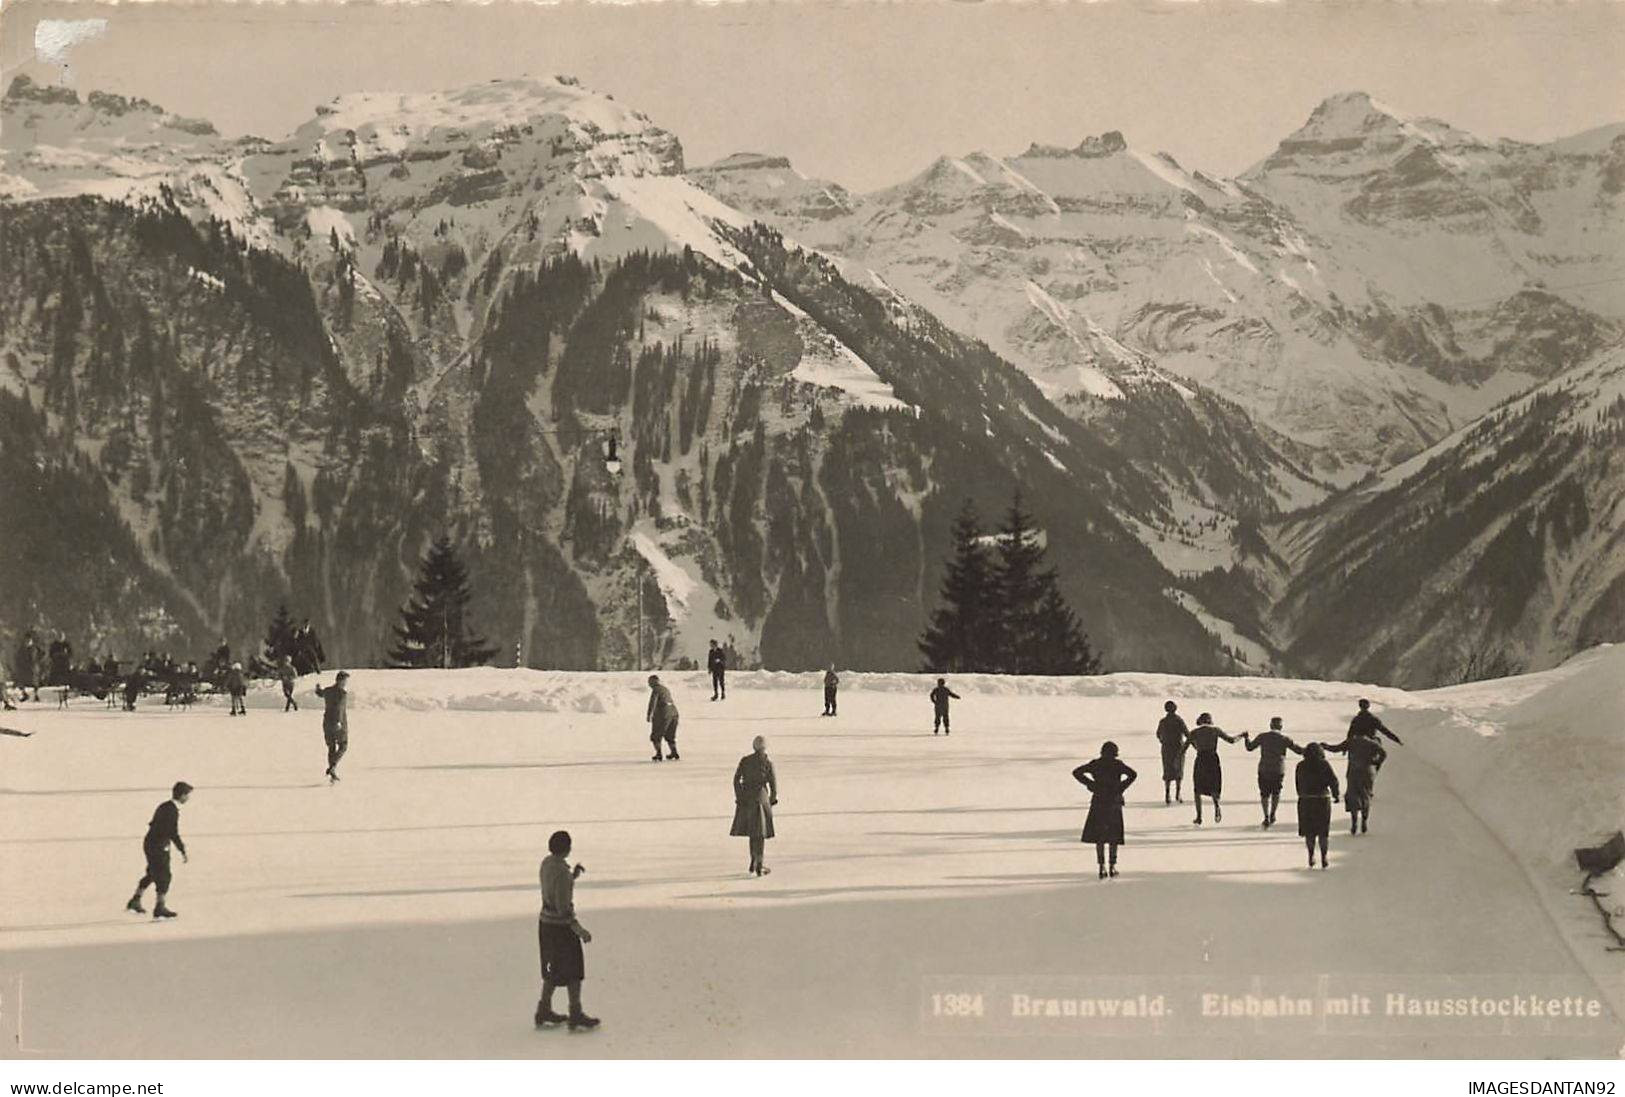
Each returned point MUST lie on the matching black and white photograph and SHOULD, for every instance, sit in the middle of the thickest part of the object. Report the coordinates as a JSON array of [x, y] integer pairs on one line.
[[961, 531]]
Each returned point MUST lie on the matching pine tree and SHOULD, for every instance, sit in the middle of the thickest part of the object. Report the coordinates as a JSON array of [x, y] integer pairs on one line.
[[1018, 592], [1063, 647], [956, 640], [279, 637], [1036, 631], [435, 630]]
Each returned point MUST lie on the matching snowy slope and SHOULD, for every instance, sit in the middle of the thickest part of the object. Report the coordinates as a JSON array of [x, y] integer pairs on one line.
[[406, 895]]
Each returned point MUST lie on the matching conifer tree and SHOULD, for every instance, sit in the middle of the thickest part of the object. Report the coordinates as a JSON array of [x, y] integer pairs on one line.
[[955, 641], [1035, 632], [279, 637], [435, 630]]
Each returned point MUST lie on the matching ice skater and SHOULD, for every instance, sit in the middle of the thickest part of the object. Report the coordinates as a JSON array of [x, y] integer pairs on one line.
[[832, 683], [1366, 724], [1171, 732], [1207, 773], [559, 937], [1108, 779], [939, 706], [1317, 792], [238, 688], [756, 791], [1272, 746], [662, 717], [335, 722], [287, 675], [1366, 756], [163, 830], [716, 661]]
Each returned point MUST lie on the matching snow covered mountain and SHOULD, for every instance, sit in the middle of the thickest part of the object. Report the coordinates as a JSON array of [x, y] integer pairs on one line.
[[1501, 547], [274, 369], [270, 370], [1371, 286]]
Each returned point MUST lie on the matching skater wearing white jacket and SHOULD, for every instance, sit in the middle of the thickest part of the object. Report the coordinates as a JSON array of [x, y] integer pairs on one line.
[[559, 937]]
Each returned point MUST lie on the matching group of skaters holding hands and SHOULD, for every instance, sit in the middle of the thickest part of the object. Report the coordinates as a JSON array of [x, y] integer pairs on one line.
[[1107, 777]]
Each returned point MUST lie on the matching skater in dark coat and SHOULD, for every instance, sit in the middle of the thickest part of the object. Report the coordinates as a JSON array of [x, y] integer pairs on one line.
[[939, 707], [1171, 732], [559, 936], [1208, 774], [756, 791], [1107, 778], [662, 717], [164, 829], [1272, 746], [1317, 791], [716, 661], [1365, 723], [237, 687], [25, 667], [1366, 757], [832, 683], [286, 674], [335, 722]]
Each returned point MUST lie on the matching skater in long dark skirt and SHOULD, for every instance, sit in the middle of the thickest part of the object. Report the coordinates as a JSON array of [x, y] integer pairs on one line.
[[1108, 778], [335, 722], [162, 831], [832, 683], [756, 791], [1366, 756], [559, 937], [1317, 792], [1366, 724], [662, 717], [1272, 746], [1171, 732], [940, 696], [1208, 774]]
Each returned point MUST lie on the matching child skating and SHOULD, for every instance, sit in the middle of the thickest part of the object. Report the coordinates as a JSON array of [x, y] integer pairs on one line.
[[162, 832]]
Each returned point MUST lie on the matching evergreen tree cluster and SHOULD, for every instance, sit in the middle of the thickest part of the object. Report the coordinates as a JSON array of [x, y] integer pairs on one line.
[[435, 630], [1002, 611]]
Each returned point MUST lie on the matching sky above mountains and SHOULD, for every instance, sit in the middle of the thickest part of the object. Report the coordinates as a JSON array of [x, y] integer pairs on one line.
[[870, 94]]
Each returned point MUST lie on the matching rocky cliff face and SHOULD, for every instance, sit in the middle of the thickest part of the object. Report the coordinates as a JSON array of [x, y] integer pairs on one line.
[[276, 370]]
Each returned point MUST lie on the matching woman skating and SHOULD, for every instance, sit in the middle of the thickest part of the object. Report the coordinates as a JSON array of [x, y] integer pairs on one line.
[[1366, 756], [1107, 778], [756, 790], [1171, 733], [1317, 791], [1208, 773]]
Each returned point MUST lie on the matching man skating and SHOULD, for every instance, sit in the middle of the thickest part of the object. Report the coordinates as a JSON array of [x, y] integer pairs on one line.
[[1366, 724], [237, 686], [1366, 757], [559, 937], [1272, 745], [832, 682], [335, 722], [163, 830], [939, 706], [662, 717], [716, 661], [1171, 733]]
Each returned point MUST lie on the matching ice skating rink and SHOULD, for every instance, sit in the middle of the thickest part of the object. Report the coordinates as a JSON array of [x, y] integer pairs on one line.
[[393, 915]]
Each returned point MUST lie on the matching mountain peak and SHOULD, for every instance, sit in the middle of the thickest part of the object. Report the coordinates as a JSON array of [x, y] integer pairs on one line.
[[750, 161], [1106, 144]]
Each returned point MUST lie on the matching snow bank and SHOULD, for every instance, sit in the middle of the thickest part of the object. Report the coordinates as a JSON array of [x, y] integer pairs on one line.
[[475, 689]]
